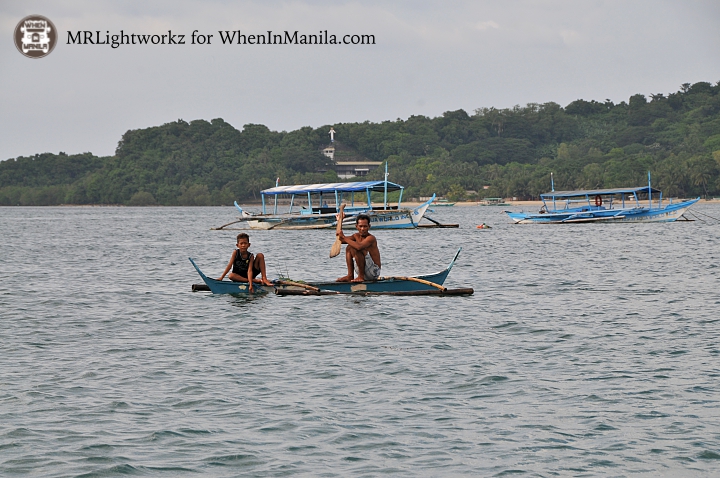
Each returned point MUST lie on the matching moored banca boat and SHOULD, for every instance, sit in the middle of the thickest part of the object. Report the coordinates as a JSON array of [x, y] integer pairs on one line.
[[318, 214], [604, 205]]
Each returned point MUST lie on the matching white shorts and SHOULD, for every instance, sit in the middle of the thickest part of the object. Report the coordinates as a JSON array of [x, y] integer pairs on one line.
[[372, 270]]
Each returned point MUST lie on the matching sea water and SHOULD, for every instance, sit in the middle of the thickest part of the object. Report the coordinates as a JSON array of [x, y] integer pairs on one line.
[[586, 350]]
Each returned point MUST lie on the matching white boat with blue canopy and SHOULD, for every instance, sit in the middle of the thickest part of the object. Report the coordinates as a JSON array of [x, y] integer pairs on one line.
[[317, 214], [636, 204]]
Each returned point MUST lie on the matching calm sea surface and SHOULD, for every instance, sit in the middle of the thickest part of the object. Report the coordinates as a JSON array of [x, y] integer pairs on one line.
[[587, 350]]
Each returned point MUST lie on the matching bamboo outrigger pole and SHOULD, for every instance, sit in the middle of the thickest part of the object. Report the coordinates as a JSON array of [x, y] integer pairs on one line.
[[415, 279]]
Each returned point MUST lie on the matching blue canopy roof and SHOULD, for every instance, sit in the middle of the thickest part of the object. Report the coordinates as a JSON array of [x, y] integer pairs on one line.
[[597, 192], [375, 186]]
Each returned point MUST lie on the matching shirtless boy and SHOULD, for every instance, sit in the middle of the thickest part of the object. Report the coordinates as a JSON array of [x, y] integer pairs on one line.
[[246, 265], [361, 254]]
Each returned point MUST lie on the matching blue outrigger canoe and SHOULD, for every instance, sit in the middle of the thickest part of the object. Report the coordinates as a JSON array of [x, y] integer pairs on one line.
[[430, 284], [621, 205]]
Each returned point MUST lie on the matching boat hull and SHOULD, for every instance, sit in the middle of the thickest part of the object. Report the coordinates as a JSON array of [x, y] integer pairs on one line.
[[384, 285], [385, 219], [461, 291], [669, 213]]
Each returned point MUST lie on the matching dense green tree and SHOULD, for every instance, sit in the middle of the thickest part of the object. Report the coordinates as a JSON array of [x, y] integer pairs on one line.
[[496, 152]]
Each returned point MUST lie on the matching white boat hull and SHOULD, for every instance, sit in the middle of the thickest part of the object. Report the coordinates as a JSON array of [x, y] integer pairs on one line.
[[384, 219]]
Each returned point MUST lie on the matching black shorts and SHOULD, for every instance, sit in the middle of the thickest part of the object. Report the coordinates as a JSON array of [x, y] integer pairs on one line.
[[255, 273]]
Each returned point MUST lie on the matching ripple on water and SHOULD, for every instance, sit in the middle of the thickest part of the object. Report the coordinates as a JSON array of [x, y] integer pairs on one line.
[[585, 350]]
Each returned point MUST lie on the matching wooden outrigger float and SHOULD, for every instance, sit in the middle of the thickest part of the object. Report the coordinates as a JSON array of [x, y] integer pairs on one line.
[[430, 284]]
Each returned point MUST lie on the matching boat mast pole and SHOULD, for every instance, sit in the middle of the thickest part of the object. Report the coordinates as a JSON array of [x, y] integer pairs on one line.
[[552, 189], [385, 198], [262, 195], [649, 193], [277, 183]]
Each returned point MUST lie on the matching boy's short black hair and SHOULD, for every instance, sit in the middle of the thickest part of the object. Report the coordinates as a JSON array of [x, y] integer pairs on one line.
[[362, 216], [242, 235]]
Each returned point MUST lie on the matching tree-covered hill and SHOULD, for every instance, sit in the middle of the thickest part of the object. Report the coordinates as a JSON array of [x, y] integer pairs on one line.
[[506, 152]]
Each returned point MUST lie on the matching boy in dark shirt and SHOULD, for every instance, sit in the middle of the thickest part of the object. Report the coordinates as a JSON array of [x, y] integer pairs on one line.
[[245, 265]]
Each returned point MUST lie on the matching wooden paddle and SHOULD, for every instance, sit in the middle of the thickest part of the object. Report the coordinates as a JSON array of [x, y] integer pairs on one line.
[[337, 245]]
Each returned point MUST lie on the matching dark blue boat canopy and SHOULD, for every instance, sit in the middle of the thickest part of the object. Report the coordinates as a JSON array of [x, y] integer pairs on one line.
[[597, 192], [373, 186]]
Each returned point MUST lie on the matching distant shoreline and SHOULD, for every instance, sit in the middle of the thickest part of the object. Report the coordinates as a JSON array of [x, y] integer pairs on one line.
[[408, 204]]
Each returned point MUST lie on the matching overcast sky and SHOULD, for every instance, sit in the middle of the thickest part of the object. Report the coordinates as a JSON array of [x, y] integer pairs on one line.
[[429, 57]]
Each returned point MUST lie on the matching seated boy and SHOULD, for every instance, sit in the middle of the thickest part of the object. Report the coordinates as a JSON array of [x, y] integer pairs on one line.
[[245, 266]]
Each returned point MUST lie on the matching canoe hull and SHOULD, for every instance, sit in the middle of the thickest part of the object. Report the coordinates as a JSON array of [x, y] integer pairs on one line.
[[381, 220]]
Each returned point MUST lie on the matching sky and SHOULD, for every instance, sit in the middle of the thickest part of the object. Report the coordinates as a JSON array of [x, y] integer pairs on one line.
[[429, 57]]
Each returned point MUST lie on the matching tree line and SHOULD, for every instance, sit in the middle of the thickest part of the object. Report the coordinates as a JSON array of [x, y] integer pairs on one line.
[[489, 153]]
